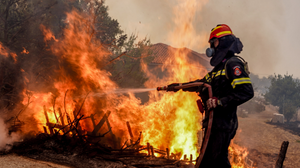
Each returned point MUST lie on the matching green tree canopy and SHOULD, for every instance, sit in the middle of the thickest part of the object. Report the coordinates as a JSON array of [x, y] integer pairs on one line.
[[284, 92]]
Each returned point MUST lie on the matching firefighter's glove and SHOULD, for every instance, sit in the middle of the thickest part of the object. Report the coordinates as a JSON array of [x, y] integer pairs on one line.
[[213, 102], [171, 87]]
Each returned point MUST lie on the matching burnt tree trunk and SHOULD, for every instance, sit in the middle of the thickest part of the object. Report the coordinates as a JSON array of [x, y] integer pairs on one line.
[[281, 155]]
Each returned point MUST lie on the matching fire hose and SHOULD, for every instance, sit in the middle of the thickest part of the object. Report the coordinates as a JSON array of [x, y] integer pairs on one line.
[[210, 117]]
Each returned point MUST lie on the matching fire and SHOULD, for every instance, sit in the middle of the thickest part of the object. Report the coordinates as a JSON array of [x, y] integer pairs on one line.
[[5, 52], [238, 157], [48, 35], [187, 122], [25, 51], [168, 120]]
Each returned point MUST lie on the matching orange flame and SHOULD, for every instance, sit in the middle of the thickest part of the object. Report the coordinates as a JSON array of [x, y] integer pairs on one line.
[[185, 117], [5, 52], [238, 157], [48, 35], [24, 51], [168, 120]]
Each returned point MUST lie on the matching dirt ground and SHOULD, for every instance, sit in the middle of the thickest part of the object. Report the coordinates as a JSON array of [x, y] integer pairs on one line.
[[263, 140], [14, 161]]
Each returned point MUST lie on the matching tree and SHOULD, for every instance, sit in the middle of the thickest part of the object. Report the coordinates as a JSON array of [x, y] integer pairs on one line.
[[20, 22], [127, 52], [260, 84], [107, 29], [284, 92], [126, 70], [15, 15], [11, 80]]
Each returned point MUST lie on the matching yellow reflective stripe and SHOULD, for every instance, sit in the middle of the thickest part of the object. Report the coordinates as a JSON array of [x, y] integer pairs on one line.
[[240, 81], [216, 28], [214, 74], [221, 72], [207, 77], [223, 32]]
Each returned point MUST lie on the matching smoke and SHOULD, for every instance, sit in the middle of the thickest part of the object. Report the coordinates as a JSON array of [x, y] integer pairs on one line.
[[6, 140], [259, 25], [147, 18], [256, 23]]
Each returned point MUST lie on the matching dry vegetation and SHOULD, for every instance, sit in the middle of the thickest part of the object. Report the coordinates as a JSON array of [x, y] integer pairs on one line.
[[263, 140]]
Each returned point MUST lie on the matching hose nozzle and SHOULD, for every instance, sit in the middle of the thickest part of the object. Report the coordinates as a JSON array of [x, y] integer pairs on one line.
[[161, 88]]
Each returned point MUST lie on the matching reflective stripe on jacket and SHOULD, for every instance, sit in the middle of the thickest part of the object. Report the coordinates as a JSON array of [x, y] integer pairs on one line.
[[231, 91]]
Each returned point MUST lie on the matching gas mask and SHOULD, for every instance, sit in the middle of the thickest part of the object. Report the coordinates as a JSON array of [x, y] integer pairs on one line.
[[210, 52], [227, 44]]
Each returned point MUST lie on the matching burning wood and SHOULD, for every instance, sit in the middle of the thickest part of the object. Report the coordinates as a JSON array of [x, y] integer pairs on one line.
[[100, 124], [63, 138]]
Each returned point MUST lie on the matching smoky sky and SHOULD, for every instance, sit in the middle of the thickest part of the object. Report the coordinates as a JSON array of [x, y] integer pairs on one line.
[[268, 29]]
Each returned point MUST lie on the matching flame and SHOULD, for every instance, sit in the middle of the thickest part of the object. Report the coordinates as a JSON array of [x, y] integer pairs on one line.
[[14, 56], [185, 118], [5, 52], [48, 35], [168, 120], [238, 156], [25, 51]]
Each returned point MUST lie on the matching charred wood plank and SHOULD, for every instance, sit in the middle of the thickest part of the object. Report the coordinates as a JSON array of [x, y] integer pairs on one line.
[[160, 151], [93, 120], [100, 124], [77, 123], [46, 115], [281, 155], [148, 148], [54, 99], [152, 151], [45, 130], [168, 153], [52, 125], [61, 117], [111, 133], [129, 130]]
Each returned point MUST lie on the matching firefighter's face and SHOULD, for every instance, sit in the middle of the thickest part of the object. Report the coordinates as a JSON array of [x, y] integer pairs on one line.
[[214, 43]]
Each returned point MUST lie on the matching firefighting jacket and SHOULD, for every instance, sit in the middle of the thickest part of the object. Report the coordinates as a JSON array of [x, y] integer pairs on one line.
[[232, 91]]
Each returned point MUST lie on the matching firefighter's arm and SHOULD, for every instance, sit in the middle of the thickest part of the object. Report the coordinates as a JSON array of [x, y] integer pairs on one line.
[[205, 79], [242, 89]]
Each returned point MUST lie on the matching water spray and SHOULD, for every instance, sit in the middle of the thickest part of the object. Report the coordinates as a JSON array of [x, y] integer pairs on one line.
[[123, 91]]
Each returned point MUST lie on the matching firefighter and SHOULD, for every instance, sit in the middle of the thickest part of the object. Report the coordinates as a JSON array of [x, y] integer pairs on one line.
[[231, 86]]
